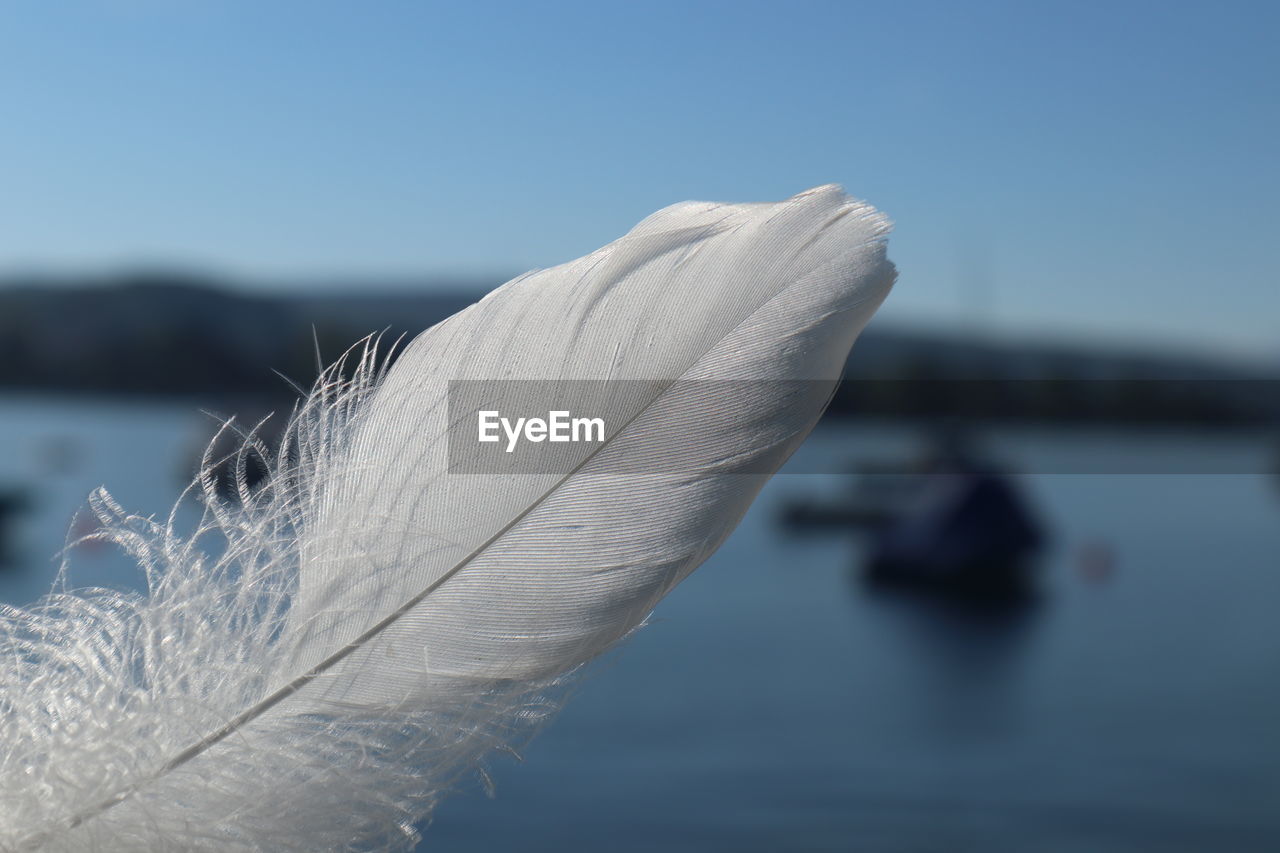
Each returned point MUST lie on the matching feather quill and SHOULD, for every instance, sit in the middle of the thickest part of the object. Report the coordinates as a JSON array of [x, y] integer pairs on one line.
[[313, 667]]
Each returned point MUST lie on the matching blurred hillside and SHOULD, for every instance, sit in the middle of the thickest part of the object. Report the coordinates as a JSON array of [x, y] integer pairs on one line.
[[179, 335], [166, 335]]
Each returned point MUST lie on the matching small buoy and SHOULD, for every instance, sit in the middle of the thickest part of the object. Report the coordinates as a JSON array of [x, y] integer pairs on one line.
[[1096, 562]]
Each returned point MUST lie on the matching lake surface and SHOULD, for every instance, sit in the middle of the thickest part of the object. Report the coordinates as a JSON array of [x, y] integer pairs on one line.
[[775, 703]]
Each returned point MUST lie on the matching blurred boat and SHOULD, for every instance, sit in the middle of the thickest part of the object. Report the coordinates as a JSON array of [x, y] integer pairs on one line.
[[13, 500], [950, 521]]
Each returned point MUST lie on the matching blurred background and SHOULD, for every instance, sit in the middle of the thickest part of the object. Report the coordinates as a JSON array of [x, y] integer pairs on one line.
[[1016, 592]]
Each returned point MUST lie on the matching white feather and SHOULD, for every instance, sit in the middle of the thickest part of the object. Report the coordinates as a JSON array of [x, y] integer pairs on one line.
[[371, 626]]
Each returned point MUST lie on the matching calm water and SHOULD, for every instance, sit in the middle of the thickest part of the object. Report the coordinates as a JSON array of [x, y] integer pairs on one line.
[[774, 704]]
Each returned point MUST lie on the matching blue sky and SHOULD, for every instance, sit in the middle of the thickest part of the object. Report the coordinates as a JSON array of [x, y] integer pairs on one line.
[[1103, 169]]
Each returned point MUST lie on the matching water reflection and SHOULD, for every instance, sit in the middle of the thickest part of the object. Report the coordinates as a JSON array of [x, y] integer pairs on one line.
[[968, 656], [781, 702]]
